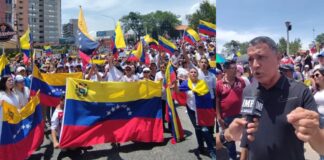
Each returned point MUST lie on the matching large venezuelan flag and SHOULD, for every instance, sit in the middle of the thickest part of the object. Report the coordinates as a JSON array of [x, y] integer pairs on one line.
[[172, 115], [207, 28], [51, 86], [191, 36], [4, 65], [21, 133], [100, 112], [205, 112], [167, 45]]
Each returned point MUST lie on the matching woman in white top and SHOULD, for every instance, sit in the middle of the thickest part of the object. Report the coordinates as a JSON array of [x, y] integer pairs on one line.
[[129, 76], [6, 91], [319, 95], [21, 91]]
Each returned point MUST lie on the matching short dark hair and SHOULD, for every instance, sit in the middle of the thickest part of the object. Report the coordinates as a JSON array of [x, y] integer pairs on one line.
[[3, 83], [228, 64], [266, 40]]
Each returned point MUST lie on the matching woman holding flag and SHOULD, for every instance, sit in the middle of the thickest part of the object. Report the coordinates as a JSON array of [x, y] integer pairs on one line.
[[6, 91], [200, 111]]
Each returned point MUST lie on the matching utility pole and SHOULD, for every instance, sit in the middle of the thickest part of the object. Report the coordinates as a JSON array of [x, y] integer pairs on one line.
[[289, 26]]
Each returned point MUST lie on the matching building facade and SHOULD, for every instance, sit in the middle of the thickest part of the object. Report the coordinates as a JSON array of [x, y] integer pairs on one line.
[[6, 8], [45, 21], [70, 30]]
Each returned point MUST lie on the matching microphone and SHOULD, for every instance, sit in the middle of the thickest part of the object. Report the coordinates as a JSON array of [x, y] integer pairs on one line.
[[251, 108]]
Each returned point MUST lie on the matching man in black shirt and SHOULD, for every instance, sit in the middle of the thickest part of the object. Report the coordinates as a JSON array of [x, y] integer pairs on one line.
[[289, 116]]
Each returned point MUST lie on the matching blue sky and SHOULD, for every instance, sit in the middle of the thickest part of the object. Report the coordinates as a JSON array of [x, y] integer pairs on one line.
[[243, 20], [96, 10]]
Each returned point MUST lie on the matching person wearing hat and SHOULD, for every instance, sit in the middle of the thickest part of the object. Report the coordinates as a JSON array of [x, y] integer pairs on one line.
[[22, 71], [320, 58], [21, 91], [129, 74], [146, 74], [59, 68], [287, 70], [201, 52], [319, 95]]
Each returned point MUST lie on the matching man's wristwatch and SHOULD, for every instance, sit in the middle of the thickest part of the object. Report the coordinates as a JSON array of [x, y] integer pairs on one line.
[[222, 137]]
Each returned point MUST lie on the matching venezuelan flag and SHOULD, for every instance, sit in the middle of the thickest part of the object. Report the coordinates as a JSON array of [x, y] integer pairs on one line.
[[100, 112], [48, 50], [51, 86], [172, 115], [25, 45], [21, 133], [151, 42], [113, 47], [4, 65], [139, 52], [207, 28], [205, 111], [191, 36], [167, 45], [86, 43]]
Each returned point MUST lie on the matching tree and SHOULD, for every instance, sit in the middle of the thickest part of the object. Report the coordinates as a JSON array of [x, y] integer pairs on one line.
[[133, 21], [206, 12], [294, 46], [320, 40], [154, 23], [236, 46]]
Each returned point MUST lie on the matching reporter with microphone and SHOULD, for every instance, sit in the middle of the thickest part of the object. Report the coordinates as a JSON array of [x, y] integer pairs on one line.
[[287, 111]]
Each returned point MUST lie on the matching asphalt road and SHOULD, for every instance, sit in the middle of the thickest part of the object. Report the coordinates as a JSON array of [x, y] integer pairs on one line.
[[141, 151]]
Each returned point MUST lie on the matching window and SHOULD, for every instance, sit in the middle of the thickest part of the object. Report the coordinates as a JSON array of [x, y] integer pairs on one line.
[[8, 1], [8, 17]]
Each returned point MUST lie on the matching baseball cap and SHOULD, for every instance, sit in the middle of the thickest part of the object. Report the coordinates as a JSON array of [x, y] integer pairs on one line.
[[21, 68], [146, 69], [19, 78], [321, 54], [286, 67]]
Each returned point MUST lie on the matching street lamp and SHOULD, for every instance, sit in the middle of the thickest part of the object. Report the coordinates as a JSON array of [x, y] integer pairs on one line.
[[289, 26], [112, 18]]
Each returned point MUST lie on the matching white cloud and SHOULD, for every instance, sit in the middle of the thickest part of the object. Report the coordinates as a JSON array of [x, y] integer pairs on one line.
[[92, 5], [223, 36]]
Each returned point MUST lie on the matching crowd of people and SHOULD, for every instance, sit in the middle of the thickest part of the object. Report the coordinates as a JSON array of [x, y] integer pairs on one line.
[[275, 76]]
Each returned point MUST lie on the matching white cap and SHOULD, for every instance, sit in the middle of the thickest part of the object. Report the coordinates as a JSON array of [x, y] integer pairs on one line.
[[19, 78], [21, 68], [146, 69]]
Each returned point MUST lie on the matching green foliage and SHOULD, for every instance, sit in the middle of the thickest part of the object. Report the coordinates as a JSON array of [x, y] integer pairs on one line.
[[154, 23], [294, 46], [236, 46], [320, 40], [206, 12]]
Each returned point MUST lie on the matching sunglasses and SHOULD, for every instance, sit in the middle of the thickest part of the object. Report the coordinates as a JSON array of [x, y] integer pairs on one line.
[[317, 75], [146, 72]]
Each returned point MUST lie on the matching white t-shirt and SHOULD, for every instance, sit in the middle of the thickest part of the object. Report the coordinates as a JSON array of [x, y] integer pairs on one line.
[[22, 96], [133, 78], [210, 79], [114, 75], [319, 99], [95, 77], [11, 99], [191, 100], [158, 77], [56, 120]]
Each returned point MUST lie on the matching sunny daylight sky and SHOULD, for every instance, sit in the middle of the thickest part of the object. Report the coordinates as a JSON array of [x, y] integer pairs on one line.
[[97, 12], [243, 20]]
